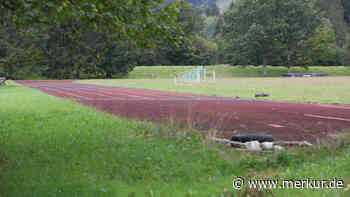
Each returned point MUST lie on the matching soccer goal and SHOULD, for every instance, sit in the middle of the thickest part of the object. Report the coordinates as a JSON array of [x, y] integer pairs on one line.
[[197, 75]]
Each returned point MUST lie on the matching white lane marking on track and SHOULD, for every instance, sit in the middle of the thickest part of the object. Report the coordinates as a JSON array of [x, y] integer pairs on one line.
[[127, 92], [334, 106], [151, 99], [121, 94], [327, 117], [64, 93], [131, 93], [93, 93], [276, 125], [159, 94]]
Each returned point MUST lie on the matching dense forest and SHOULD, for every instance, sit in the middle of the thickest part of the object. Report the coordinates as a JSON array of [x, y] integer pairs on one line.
[[199, 32]]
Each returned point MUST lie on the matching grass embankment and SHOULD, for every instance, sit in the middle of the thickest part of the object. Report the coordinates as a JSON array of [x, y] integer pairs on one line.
[[55, 147], [323, 90], [226, 71]]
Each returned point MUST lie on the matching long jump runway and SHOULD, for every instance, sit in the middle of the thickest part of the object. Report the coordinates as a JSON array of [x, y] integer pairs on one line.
[[284, 120]]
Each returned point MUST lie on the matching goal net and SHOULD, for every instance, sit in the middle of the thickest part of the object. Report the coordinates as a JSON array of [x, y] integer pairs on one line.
[[197, 75]]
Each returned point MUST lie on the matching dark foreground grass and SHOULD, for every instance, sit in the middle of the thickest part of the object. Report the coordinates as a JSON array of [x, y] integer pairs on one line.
[[55, 147]]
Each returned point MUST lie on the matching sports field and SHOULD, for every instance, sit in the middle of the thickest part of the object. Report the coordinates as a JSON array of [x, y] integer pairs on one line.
[[286, 121], [227, 71], [174, 98], [331, 90], [57, 147]]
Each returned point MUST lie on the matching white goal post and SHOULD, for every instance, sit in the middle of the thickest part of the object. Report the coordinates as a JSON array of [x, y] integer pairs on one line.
[[198, 75]]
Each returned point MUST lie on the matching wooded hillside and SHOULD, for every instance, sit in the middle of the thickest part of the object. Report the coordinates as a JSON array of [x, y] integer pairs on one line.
[[43, 39]]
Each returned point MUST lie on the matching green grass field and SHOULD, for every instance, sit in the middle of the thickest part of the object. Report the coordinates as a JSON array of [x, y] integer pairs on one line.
[[226, 71], [56, 147], [323, 90]]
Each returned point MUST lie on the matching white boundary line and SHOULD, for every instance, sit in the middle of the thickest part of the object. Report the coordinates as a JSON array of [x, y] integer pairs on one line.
[[84, 90], [327, 117], [63, 93], [155, 94], [129, 94], [152, 99], [125, 93]]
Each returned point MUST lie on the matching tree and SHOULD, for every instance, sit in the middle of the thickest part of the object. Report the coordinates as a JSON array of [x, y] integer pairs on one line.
[[298, 21], [320, 48], [118, 58], [191, 20], [192, 48], [335, 13], [69, 53], [142, 21], [18, 51], [267, 30], [212, 10], [250, 28], [85, 37]]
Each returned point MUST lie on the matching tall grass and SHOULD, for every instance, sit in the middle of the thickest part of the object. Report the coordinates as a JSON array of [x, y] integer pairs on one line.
[[55, 147]]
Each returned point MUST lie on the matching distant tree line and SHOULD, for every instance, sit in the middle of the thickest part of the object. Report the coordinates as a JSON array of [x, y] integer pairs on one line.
[[105, 41], [276, 32]]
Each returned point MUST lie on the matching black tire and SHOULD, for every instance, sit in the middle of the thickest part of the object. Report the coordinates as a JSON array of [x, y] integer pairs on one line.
[[253, 137], [262, 95]]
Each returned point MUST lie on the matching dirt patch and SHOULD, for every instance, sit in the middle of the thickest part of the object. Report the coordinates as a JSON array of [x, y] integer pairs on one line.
[[284, 120]]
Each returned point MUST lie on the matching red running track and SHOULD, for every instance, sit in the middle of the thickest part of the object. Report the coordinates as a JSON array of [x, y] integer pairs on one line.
[[284, 120]]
